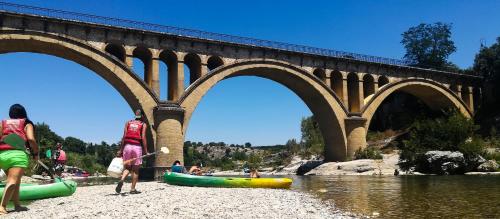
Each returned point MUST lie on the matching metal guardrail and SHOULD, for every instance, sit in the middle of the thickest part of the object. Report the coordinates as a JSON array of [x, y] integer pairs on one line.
[[190, 33]]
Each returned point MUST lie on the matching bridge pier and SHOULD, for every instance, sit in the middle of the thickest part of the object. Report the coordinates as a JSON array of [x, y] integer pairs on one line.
[[168, 125], [356, 134]]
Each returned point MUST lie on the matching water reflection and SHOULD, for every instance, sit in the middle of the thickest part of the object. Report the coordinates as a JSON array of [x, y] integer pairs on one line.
[[409, 196]]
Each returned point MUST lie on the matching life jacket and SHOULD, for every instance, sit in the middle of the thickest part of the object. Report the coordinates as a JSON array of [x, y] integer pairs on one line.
[[62, 156], [13, 126], [133, 133], [177, 169]]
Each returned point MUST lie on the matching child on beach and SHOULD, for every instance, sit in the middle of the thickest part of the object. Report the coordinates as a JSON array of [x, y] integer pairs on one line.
[[133, 145], [196, 170], [254, 173], [15, 160], [178, 168]]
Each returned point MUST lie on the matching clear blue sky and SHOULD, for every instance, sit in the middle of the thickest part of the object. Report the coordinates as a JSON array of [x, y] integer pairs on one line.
[[76, 102]]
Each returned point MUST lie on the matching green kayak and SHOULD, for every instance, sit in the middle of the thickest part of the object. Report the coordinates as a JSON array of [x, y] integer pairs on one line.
[[228, 182], [34, 191]]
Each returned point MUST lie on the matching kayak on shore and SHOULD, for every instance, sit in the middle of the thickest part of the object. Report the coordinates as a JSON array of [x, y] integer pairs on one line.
[[35, 191], [180, 179]]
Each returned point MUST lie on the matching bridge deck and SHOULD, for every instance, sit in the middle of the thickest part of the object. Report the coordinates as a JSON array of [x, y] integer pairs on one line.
[[190, 33], [26, 10]]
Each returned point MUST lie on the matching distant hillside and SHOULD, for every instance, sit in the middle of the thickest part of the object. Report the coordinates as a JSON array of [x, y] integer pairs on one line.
[[235, 157]]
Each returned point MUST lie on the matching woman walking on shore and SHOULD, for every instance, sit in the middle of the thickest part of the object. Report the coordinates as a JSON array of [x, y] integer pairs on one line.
[[133, 146], [15, 160]]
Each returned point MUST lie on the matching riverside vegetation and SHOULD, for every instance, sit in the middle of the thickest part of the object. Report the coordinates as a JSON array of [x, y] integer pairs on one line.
[[88, 156]]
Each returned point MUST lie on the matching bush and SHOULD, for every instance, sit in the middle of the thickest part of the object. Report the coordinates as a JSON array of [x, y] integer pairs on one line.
[[367, 153], [453, 132], [492, 156], [86, 162], [254, 161], [375, 136], [473, 147]]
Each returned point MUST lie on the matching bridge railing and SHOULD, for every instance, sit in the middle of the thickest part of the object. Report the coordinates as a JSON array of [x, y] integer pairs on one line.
[[129, 24]]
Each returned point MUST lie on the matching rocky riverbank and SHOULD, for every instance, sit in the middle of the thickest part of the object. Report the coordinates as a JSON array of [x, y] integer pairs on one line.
[[444, 161], [385, 166], [160, 200]]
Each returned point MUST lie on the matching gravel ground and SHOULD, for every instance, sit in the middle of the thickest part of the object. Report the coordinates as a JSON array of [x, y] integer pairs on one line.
[[160, 200]]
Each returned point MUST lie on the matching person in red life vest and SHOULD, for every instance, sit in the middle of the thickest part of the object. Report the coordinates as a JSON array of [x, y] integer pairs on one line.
[[59, 159], [15, 160], [133, 146]]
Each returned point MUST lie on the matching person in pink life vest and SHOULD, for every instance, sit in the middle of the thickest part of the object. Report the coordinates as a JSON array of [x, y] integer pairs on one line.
[[59, 159], [15, 160], [133, 145]]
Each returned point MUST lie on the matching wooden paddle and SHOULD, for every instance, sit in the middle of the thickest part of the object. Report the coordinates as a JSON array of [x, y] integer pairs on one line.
[[162, 150]]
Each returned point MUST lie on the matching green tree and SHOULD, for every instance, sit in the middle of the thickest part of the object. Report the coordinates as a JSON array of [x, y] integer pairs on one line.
[[247, 145], [311, 136], [45, 136], [429, 45], [74, 145], [292, 146], [487, 64]]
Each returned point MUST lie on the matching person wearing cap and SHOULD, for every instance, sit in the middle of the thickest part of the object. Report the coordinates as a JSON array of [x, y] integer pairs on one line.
[[133, 145]]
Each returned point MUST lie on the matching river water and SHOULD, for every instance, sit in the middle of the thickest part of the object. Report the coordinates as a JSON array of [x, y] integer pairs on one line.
[[408, 196], [398, 197]]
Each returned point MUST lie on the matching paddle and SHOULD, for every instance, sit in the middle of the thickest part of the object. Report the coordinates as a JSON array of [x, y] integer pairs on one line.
[[50, 171], [162, 150], [15, 141]]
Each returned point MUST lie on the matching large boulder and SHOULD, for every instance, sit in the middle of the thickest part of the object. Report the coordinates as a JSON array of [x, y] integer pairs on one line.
[[475, 161], [385, 166], [308, 166], [364, 168], [298, 166], [442, 162], [488, 166]]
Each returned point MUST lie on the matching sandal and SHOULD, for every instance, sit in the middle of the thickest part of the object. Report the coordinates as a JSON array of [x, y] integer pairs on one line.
[[20, 208], [135, 192], [118, 188]]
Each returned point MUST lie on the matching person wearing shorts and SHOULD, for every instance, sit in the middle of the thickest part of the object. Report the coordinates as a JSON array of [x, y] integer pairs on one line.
[[15, 160], [133, 146]]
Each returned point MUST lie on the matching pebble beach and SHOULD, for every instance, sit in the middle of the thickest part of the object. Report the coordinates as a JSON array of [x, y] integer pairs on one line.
[[160, 200]]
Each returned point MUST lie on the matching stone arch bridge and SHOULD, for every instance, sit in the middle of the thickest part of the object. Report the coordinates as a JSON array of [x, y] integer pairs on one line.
[[343, 90]]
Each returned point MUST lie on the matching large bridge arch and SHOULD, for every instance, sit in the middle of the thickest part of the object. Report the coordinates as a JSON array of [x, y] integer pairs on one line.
[[114, 71], [433, 94], [323, 103]]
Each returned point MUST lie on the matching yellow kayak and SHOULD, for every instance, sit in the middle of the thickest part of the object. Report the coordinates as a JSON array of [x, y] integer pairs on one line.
[[227, 182]]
